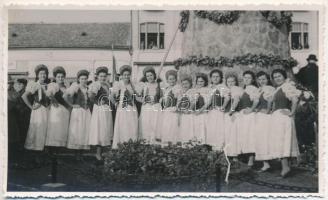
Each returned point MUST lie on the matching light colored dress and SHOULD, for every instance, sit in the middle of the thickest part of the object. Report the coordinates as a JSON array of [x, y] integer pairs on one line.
[[246, 122], [79, 126], [263, 124], [150, 113], [231, 144], [186, 120], [201, 98], [168, 125], [59, 114], [126, 119], [283, 141], [37, 131], [215, 117], [101, 125]]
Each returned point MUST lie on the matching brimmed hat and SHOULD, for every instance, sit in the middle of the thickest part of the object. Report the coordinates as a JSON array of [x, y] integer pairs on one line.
[[102, 69], [171, 72], [148, 69], [125, 68], [82, 72], [312, 57], [39, 68], [58, 70], [22, 81]]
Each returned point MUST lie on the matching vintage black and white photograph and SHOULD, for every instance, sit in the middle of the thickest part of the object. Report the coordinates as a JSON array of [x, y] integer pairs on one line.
[[163, 101]]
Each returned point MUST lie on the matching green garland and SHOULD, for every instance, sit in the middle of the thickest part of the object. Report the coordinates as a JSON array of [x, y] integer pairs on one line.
[[248, 59], [285, 18], [184, 20]]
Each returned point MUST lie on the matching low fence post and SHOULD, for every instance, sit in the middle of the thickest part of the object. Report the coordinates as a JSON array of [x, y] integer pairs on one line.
[[218, 177]]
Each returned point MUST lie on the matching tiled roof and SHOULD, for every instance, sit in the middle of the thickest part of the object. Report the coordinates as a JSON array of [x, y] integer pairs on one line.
[[69, 35]]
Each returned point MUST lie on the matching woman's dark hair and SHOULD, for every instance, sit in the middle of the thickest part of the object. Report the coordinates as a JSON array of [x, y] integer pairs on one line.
[[262, 73], [186, 78], [144, 78], [252, 75], [204, 77], [47, 80], [219, 72], [280, 71], [232, 76]]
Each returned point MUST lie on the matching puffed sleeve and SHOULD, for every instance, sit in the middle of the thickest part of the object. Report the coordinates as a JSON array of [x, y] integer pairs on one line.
[[52, 89], [176, 90], [236, 92], [268, 92], [32, 87], [73, 89], [94, 87], [290, 90], [224, 91], [116, 87], [253, 92]]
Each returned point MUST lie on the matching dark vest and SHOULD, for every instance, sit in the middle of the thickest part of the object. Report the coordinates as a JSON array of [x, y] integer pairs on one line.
[[127, 98], [102, 97], [263, 104], [79, 99], [45, 101], [216, 100], [169, 100], [281, 101], [59, 98], [200, 102], [157, 96], [185, 103], [244, 102]]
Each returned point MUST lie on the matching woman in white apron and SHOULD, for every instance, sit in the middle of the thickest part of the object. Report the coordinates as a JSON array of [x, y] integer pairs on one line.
[[151, 93], [215, 116], [101, 126], [283, 141], [126, 120], [59, 113], [76, 96], [167, 126], [263, 120], [37, 131]]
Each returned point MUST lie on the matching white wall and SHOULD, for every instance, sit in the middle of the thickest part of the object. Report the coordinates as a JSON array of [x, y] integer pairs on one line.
[[310, 17]]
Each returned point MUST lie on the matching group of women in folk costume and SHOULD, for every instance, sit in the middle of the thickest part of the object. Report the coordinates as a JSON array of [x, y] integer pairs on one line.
[[216, 111]]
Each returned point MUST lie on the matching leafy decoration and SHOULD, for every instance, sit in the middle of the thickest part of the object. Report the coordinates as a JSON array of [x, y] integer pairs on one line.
[[141, 163], [247, 59], [219, 17], [284, 18], [184, 20]]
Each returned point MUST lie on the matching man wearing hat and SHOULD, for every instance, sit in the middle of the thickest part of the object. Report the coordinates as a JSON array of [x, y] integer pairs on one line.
[[308, 75]]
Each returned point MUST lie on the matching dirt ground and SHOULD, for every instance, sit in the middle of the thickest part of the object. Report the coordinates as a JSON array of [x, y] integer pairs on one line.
[[78, 176]]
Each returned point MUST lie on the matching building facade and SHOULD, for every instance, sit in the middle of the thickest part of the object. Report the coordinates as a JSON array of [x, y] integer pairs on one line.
[[88, 39]]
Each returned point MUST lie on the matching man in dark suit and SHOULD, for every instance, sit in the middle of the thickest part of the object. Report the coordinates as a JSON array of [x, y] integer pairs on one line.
[[308, 75]]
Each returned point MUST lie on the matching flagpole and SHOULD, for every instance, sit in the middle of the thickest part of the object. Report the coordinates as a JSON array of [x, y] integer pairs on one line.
[[113, 66], [167, 52]]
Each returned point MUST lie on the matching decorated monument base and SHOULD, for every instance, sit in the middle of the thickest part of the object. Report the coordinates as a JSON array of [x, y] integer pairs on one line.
[[235, 41]]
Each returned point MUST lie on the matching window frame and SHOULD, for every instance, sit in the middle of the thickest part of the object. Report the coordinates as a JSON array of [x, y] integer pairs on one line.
[[158, 24], [302, 31]]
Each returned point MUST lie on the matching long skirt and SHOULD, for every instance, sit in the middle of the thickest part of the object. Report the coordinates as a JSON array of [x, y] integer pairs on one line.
[[148, 121], [283, 142], [186, 128], [200, 127], [126, 125], [168, 127], [58, 123], [246, 132], [101, 126], [37, 131], [215, 129], [79, 127], [231, 134], [262, 135]]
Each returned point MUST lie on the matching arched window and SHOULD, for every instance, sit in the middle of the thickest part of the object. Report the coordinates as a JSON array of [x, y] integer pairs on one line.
[[299, 36], [151, 35]]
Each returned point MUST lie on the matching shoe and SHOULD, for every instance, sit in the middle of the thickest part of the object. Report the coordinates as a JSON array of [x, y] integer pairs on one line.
[[264, 169]]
